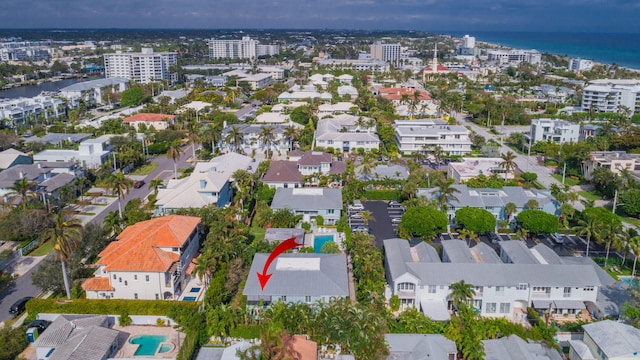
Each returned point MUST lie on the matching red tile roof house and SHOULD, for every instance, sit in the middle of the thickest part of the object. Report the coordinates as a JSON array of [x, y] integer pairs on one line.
[[158, 121], [149, 260]]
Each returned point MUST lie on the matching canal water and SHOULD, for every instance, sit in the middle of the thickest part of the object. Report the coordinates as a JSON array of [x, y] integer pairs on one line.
[[35, 90]]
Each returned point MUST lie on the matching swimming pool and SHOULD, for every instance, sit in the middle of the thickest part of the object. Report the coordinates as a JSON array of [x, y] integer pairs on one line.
[[629, 280], [320, 240], [165, 348], [195, 289], [148, 344], [189, 298]]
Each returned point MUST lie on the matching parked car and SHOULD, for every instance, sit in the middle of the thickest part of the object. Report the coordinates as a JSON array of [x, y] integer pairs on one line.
[[41, 325], [361, 229], [396, 220], [138, 184], [356, 215], [557, 238], [19, 306], [356, 206], [379, 158], [494, 238], [394, 204]]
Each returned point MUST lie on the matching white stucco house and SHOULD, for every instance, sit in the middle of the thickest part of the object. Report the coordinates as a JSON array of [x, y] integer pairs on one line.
[[347, 133]]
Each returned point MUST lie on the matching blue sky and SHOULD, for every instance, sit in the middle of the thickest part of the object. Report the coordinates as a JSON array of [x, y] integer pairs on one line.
[[453, 15]]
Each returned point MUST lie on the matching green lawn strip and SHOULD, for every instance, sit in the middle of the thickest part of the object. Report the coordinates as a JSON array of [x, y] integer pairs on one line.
[[567, 180], [145, 169], [257, 233], [43, 249], [590, 195]]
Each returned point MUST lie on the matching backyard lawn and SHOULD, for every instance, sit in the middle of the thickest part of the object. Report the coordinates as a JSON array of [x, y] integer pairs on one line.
[[43, 249], [590, 195], [567, 180]]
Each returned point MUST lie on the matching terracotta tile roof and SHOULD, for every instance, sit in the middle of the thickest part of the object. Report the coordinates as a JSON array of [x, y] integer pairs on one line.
[[282, 171], [139, 247], [304, 349], [97, 284], [396, 93], [440, 68], [149, 117]]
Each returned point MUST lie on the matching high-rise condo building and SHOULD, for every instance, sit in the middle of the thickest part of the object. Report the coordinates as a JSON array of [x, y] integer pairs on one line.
[[386, 52], [246, 48], [143, 67]]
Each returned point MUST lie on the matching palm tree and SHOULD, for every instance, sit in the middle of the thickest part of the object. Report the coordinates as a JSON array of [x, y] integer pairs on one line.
[[291, 132], [212, 133], [532, 204], [590, 228], [205, 266], [22, 189], [366, 217], [508, 163], [65, 234], [610, 237], [461, 292], [174, 153], [120, 186], [634, 246], [155, 184], [234, 137], [446, 192], [510, 209], [267, 137], [194, 137]]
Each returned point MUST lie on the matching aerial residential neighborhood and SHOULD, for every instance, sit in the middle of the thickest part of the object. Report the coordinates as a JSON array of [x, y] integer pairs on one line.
[[315, 195]]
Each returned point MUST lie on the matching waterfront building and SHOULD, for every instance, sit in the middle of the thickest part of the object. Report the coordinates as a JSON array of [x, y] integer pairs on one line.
[[577, 64], [514, 56], [612, 95], [142, 67], [92, 92], [17, 111]]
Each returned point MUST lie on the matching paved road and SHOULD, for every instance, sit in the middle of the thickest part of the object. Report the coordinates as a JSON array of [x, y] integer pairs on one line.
[[164, 171], [20, 288]]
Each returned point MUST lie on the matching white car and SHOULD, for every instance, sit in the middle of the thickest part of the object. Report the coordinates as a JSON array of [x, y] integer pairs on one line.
[[356, 206]]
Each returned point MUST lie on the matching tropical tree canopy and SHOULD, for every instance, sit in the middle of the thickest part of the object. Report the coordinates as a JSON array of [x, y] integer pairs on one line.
[[538, 222], [421, 221], [475, 219]]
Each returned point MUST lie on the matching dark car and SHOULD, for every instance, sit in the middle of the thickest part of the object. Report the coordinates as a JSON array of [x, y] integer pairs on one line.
[[41, 325], [19, 306], [138, 184]]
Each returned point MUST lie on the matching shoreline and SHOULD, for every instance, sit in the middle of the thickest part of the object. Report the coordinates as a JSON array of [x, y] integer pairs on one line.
[[39, 81], [595, 62]]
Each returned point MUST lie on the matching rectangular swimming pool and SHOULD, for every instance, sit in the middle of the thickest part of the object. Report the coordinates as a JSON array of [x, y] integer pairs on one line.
[[189, 298], [148, 344], [320, 240]]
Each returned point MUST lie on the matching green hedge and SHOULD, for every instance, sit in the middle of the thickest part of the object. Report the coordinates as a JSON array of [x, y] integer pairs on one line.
[[506, 231], [382, 195], [106, 307]]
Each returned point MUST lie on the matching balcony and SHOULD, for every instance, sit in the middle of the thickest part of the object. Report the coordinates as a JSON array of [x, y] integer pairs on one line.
[[540, 295], [406, 293]]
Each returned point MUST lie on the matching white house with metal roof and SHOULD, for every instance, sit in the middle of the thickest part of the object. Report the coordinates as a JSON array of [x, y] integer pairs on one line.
[[420, 279], [347, 133], [298, 277], [210, 183], [425, 134], [91, 92], [494, 200], [90, 154], [310, 202]]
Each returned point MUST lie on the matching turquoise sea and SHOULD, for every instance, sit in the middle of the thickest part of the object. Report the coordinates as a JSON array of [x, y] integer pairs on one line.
[[622, 49]]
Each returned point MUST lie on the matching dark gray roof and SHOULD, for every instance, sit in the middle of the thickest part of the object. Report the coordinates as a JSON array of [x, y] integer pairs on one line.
[[456, 251], [419, 346], [55, 138], [56, 182], [514, 348], [301, 279], [517, 251], [610, 299], [480, 274], [87, 344], [63, 327], [483, 253], [307, 199], [614, 339], [604, 277], [31, 171]]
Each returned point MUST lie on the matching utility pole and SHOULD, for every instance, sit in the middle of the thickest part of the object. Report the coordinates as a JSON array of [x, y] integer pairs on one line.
[[564, 171], [529, 153], [615, 202]]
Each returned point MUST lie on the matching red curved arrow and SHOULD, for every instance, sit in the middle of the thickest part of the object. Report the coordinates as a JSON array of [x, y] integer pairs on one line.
[[282, 247]]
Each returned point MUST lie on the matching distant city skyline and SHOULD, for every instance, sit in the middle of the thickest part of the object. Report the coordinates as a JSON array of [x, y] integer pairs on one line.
[[425, 15]]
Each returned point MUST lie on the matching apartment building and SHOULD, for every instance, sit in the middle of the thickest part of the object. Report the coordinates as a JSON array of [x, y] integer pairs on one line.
[[564, 285], [425, 135], [374, 66], [347, 133], [246, 48], [515, 56], [142, 67], [386, 52], [17, 111], [555, 130], [616, 161], [577, 64], [92, 92], [470, 168], [612, 95]]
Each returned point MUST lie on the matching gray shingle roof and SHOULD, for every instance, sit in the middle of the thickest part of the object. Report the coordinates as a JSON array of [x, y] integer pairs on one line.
[[545, 254], [419, 346], [613, 338], [307, 199], [427, 253], [396, 256], [54, 183], [92, 343], [514, 348], [330, 279]]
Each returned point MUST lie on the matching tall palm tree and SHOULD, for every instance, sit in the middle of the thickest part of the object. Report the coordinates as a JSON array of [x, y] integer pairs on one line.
[[212, 133], [590, 228], [22, 189], [611, 237], [194, 137], [366, 217], [291, 132], [174, 153], [120, 186], [65, 234], [508, 163], [510, 209], [155, 184], [446, 192], [634, 246], [461, 292], [234, 137], [267, 137]]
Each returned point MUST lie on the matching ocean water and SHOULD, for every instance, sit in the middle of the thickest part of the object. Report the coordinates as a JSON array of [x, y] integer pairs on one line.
[[622, 49]]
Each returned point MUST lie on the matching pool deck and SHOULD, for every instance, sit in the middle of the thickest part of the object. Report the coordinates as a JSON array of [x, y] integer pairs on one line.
[[127, 349]]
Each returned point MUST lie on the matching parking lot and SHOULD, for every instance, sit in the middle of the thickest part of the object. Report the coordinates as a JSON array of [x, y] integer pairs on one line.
[[384, 223]]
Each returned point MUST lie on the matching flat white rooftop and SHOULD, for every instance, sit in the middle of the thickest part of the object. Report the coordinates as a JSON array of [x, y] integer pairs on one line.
[[298, 264]]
